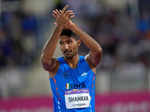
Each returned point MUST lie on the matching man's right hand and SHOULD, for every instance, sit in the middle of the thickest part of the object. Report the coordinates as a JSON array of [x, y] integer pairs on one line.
[[63, 16]]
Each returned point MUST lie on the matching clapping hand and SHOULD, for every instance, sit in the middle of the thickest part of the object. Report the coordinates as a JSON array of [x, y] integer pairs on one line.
[[63, 17]]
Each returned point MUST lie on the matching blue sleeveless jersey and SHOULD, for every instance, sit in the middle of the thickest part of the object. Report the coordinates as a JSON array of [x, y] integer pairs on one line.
[[67, 78]]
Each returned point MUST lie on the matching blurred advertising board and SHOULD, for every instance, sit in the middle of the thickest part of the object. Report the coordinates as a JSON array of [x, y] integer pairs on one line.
[[123, 102], [106, 102], [30, 104]]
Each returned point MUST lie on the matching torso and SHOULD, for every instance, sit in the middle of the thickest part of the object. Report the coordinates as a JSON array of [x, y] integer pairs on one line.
[[68, 79]]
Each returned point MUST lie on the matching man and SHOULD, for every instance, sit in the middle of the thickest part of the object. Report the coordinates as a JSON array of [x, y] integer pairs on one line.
[[72, 77]]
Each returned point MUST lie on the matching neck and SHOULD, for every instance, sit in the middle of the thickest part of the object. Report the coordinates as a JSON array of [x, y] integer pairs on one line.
[[73, 62]]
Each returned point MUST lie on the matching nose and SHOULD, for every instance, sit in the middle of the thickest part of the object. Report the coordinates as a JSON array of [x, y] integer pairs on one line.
[[66, 46]]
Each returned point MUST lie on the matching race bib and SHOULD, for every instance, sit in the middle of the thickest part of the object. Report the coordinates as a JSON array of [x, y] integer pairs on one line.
[[77, 98]]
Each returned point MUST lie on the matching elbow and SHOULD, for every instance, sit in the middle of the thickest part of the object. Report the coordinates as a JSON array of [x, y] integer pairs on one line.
[[99, 51], [44, 62], [98, 55], [43, 59], [48, 64]]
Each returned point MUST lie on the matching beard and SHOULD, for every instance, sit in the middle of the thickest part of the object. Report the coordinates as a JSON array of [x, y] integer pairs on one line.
[[69, 54], [69, 57]]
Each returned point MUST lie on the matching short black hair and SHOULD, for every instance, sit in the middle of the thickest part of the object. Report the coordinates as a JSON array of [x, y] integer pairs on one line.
[[67, 32]]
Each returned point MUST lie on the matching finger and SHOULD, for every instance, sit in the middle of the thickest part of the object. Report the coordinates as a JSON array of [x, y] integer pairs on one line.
[[65, 8], [69, 14], [54, 13], [69, 11], [58, 12], [66, 15], [61, 11], [72, 16]]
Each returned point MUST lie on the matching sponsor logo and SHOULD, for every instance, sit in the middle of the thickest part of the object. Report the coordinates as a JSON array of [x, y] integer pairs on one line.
[[75, 86], [84, 74]]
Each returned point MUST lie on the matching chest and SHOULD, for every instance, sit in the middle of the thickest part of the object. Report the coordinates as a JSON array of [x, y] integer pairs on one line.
[[78, 78]]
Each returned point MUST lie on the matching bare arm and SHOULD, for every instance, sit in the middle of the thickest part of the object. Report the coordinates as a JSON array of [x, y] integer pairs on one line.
[[94, 57], [95, 53], [49, 63]]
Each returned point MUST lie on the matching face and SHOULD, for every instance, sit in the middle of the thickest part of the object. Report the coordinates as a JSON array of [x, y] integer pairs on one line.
[[69, 46]]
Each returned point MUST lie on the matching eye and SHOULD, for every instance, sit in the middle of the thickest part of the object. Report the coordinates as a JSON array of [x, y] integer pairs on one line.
[[69, 41], [61, 43]]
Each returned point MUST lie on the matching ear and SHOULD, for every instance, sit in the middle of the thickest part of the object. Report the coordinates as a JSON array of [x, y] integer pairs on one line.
[[78, 42]]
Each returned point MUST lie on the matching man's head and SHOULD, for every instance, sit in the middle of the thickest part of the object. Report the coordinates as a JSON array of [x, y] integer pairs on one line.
[[69, 44]]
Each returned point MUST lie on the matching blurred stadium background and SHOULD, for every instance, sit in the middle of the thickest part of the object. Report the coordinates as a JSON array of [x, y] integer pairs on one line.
[[122, 27]]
